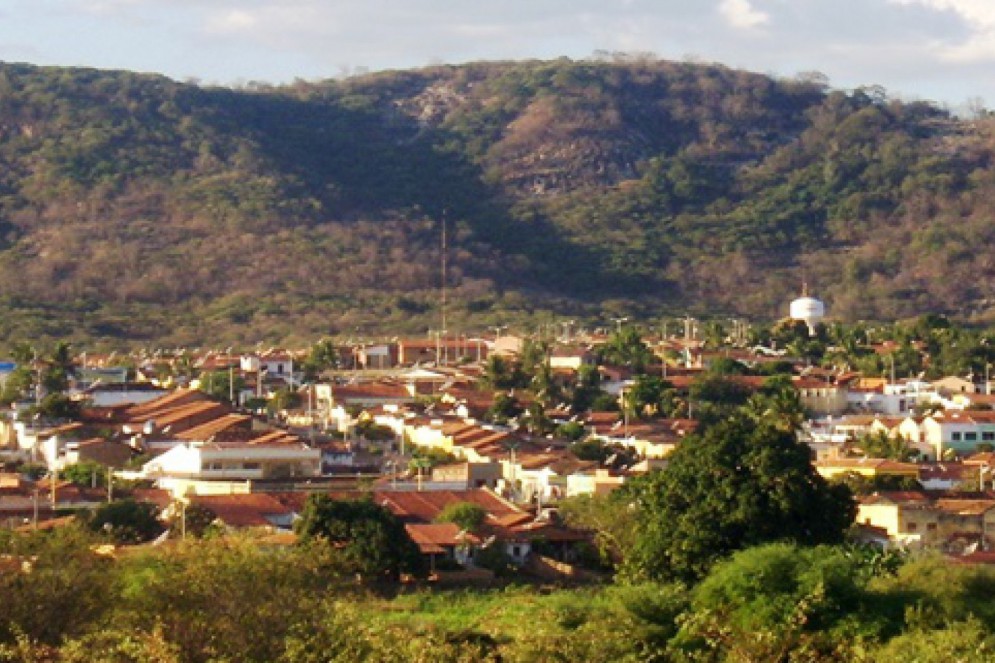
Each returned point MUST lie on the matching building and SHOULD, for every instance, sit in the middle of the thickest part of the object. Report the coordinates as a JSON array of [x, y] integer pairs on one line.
[[958, 432], [237, 461]]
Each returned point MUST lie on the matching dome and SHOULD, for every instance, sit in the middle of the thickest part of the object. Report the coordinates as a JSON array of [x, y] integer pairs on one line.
[[809, 310], [807, 307]]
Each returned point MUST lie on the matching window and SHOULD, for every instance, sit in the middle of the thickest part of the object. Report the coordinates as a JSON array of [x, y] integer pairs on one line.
[[250, 466], [988, 436], [912, 527], [930, 527], [214, 466], [970, 437], [955, 437]]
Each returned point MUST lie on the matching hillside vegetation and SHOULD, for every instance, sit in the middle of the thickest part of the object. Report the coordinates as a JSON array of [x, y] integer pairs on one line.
[[139, 208]]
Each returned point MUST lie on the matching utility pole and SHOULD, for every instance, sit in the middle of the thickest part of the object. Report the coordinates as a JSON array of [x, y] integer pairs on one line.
[[445, 251]]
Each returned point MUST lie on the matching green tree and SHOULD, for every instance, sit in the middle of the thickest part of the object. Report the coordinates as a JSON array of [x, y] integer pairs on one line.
[[323, 356], [649, 395], [504, 408], [586, 389], [611, 517], [776, 601], [63, 590], [126, 521], [467, 515], [740, 483], [626, 348], [368, 538], [499, 373], [219, 385], [85, 473], [879, 444]]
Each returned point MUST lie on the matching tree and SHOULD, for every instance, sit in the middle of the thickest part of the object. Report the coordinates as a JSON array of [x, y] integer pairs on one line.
[[712, 397], [466, 515], [611, 518], [770, 602], [218, 384], [499, 373], [626, 348], [59, 368], [740, 483], [504, 407], [85, 473], [879, 444], [323, 355], [369, 539], [586, 389], [649, 395], [126, 521]]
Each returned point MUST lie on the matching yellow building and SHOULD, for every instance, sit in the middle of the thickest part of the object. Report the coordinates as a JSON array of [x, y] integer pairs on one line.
[[866, 467], [914, 520]]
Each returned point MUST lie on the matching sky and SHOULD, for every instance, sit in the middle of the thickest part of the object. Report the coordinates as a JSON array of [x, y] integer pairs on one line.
[[934, 50]]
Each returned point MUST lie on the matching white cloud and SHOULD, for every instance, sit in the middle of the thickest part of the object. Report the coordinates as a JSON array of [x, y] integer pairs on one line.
[[979, 18], [741, 14], [234, 21]]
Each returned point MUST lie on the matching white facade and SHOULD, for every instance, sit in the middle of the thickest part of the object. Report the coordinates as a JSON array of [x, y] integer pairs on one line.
[[196, 460]]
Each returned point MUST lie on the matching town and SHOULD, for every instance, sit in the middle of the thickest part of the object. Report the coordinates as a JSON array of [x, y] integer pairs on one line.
[[499, 457], [511, 423]]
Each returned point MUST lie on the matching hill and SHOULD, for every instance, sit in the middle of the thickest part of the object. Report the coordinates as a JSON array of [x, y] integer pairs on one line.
[[139, 208]]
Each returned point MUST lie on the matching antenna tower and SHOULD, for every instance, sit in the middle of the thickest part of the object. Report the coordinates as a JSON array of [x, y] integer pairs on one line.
[[445, 251]]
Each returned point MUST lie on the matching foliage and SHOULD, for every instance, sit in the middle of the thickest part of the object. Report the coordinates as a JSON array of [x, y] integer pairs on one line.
[[61, 588], [572, 430], [650, 395], [626, 348], [504, 408], [192, 520], [742, 482], [222, 385], [858, 484], [587, 390], [86, 474], [661, 182], [126, 521], [880, 444], [778, 601], [468, 516], [612, 518], [241, 598], [367, 538]]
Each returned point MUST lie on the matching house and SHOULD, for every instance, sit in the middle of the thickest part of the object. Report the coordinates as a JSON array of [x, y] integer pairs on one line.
[[866, 467], [442, 541], [913, 519], [242, 511], [506, 524], [597, 482], [469, 475], [570, 357], [948, 476], [233, 461], [108, 395], [958, 432], [952, 384], [375, 355], [108, 453], [820, 397], [439, 350]]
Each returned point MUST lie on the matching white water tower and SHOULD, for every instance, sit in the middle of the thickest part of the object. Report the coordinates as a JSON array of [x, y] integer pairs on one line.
[[808, 309]]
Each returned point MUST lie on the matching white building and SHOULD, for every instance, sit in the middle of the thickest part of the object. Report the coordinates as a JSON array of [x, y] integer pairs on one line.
[[234, 462]]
